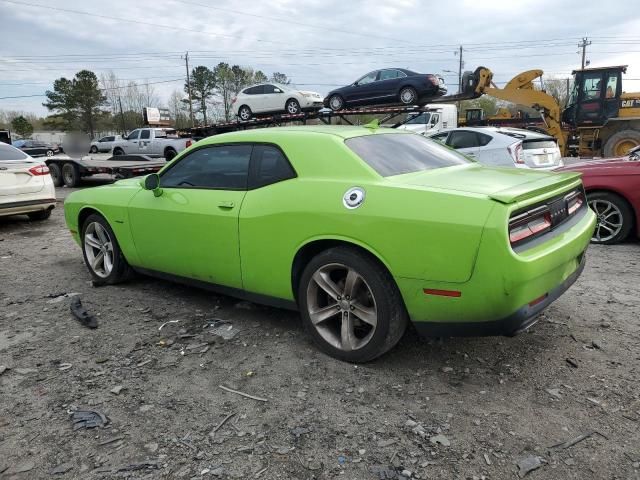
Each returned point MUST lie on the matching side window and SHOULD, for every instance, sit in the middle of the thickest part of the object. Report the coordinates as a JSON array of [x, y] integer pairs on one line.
[[388, 74], [592, 85], [440, 137], [271, 89], [462, 139], [271, 166], [257, 90], [145, 134], [434, 120], [223, 167], [368, 78], [483, 139], [110, 139], [612, 85], [134, 135]]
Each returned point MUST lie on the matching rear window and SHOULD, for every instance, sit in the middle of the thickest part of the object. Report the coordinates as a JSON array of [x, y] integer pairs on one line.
[[531, 144], [395, 154], [7, 152]]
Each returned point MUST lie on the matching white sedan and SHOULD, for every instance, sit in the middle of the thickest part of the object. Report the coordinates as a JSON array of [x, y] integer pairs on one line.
[[105, 144], [504, 147], [274, 98], [25, 185]]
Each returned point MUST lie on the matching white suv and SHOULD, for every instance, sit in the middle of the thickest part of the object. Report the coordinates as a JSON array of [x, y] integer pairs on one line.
[[504, 147], [272, 98]]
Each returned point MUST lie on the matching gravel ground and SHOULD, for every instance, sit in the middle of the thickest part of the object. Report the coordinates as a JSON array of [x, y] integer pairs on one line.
[[433, 408]]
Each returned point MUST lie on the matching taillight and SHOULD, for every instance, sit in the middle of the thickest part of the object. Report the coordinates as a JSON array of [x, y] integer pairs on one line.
[[233, 100], [529, 224], [188, 144], [574, 202], [516, 152], [433, 79], [39, 170]]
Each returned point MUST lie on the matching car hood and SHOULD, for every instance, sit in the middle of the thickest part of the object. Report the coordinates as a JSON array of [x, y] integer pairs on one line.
[[610, 166], [505, 185]]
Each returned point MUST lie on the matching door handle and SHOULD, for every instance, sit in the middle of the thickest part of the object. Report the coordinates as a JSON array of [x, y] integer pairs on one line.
[[226, 204]]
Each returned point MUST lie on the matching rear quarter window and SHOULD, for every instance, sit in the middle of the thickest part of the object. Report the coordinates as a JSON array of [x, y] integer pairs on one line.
[[8, 152], [395, 154]]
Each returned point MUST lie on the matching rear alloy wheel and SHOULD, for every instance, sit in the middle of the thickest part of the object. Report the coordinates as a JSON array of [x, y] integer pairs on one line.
[[70, 175], [49, 153], [336, 103], [293, 107], [245, 113], [614, 218], [56, 174], [117, 151], [101, 252], [93, 149], [40, 214], [408, 96], [350, 305]]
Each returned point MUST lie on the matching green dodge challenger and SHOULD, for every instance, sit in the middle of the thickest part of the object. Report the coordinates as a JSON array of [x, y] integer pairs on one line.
[[360, 228]]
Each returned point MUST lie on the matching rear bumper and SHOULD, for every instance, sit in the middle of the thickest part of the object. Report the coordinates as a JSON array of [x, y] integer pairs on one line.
[[26, 206], [519, 321]]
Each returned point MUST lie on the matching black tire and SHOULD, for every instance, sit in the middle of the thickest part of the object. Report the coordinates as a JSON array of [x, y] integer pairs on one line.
[[620, 143], [170, 154], [245, 113], [118, 151], [56, 174], [292, 107], [388, 305], [408, 96], [70, 175], [49, 153], [40, 214], [121, 270], [620, 212], [93, 149], [336, 102]]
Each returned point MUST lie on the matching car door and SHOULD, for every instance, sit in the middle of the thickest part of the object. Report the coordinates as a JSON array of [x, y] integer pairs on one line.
[[105, 144], [257, 100], [144, 142], [131, 145], [274, 98], [465, 141], [388, 83], [191, 229], [363, 89]]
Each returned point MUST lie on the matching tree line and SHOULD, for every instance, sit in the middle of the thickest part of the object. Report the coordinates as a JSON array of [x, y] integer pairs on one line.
[[91, 104]]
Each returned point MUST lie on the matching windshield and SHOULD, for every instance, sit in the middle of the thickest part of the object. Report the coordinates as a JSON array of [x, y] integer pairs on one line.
[[423, 118], [395, 154], [7, 152]]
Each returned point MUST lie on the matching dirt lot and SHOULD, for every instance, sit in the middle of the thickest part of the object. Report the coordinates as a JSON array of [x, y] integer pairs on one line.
[[439, 408]]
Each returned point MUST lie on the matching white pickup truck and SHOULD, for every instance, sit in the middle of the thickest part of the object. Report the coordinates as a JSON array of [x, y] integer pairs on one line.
[[153, 142]]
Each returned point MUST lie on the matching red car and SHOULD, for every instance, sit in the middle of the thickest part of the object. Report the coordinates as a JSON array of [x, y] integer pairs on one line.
[[613, 193]]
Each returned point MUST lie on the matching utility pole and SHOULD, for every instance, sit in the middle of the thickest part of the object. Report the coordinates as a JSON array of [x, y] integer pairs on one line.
[[460, 67], [584, 44], [186, 63], [124, 128]]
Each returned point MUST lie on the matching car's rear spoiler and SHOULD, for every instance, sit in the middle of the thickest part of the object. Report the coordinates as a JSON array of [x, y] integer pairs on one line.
[[558, 181]]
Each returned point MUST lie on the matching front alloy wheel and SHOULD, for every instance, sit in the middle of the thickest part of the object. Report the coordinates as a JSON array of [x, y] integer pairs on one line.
[[293, 107], [98, 247], [102, 253], [351, 305], [336, 103], [408, 96]]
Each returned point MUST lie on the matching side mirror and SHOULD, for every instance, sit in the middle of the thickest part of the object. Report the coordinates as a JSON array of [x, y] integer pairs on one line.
[[152, 182]]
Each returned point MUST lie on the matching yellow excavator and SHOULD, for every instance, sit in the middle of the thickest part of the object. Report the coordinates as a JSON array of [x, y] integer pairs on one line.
[[599, 119]]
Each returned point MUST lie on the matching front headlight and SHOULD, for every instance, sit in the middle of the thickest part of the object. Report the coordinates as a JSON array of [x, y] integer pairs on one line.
[[306, 95]]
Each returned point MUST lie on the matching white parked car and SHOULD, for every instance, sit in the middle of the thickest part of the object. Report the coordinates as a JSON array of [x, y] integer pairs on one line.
[[504, 147], [105, 144], [25, 185], [272, 98]]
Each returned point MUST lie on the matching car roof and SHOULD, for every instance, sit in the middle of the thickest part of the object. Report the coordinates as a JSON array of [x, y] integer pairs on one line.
[[341, 131]]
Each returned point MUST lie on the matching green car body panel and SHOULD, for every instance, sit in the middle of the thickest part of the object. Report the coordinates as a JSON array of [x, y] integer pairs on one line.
[[442, 229]]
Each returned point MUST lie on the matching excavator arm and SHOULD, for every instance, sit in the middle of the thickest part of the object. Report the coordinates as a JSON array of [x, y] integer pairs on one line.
[[518, 90]]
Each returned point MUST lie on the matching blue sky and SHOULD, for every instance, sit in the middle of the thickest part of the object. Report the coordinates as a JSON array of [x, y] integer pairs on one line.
[[318, 43]]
